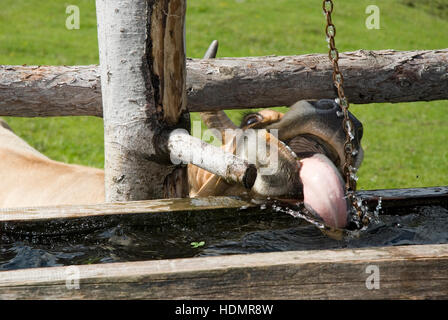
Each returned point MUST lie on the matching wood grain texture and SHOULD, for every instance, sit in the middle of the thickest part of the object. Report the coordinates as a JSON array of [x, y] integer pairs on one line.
[[48, 91], [194, 211], [187, 149], [399, 201], [233, 83], [173, 206], [66, 220], [370, 76], [406, 198], [137, 75], [408, 272], [167, 34]]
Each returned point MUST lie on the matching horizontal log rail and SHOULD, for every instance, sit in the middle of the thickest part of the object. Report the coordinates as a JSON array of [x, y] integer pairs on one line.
[[406, 272], [235, 83]]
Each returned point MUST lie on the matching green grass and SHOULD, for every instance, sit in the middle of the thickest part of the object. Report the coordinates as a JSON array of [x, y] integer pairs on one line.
[[405, 144]]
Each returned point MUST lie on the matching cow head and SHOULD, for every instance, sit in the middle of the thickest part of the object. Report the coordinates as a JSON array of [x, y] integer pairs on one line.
[[308, 147], [308, 144]]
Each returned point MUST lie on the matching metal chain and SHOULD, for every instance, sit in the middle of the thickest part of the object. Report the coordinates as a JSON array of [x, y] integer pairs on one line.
[[338, 80]]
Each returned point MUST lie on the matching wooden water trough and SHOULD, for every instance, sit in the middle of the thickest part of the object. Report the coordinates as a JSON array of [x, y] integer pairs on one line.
[[406, 272], [150, 89]]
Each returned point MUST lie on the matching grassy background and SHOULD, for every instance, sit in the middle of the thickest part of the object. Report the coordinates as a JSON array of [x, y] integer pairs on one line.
[[405, 144]]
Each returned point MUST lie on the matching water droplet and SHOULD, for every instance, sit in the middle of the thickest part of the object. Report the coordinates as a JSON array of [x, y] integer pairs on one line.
[[378, 207], [353, 169], [350, 130]]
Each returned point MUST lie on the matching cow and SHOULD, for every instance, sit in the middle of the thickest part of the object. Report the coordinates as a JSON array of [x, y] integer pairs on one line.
[[310, 162], [29, 178]]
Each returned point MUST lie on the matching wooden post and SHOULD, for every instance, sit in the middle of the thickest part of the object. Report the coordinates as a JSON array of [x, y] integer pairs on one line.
[[142, 58]]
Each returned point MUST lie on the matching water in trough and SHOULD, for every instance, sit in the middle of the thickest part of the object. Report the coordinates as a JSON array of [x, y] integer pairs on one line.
[[271, 231]]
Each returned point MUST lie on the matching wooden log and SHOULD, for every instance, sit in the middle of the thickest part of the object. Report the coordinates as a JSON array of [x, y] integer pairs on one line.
[[185, 149], [407, 272], [49, 220], [405, 197], [232, 83], [175, 206], [400, 201], [381, 76], [143, 87], [64, 220], [49, 91]]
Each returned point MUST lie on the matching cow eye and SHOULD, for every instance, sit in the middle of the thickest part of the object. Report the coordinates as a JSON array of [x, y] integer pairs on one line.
[[252, 119]]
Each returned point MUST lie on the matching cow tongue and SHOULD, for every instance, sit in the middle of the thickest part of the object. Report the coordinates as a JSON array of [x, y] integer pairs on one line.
[[323, 190]]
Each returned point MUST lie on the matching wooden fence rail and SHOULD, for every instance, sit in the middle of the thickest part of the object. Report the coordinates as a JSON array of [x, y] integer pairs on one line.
[[196, 211], [406, 272], [235, 83]]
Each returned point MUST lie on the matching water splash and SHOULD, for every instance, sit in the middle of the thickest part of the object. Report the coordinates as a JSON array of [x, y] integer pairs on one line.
[[375, 215], [300, 211], [354, 176], [350, 130]]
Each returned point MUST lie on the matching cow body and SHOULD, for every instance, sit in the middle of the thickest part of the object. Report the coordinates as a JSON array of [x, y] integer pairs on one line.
[[29, 178]]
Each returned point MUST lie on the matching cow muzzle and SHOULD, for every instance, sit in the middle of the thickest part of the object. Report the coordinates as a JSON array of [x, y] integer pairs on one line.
[[311, 155]]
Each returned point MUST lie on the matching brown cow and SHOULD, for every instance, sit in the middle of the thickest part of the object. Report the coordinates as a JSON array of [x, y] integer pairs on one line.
[[28, 178]]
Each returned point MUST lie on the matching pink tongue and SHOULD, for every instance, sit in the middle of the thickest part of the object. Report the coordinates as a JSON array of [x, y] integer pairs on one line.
[[323, 190]]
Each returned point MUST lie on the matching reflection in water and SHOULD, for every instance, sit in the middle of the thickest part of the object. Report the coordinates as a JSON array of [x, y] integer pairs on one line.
[[276, 231]]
